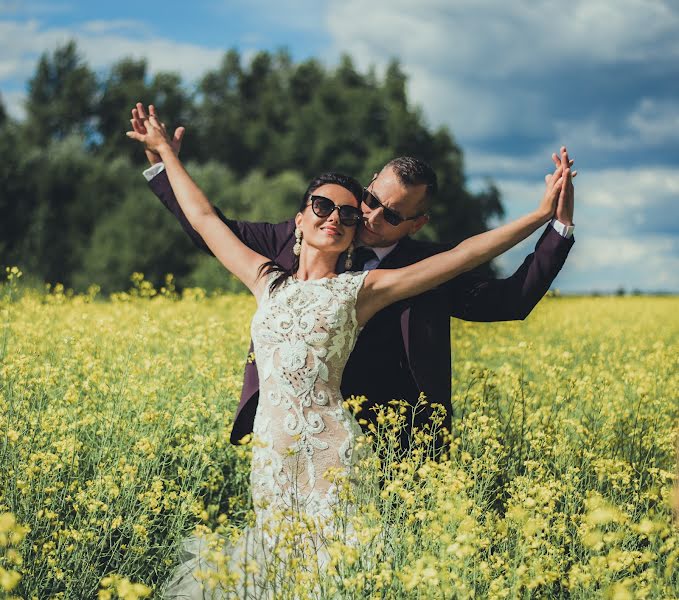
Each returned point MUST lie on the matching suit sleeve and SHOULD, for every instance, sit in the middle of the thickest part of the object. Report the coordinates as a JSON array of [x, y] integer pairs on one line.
[[265, 238], [475, 298]]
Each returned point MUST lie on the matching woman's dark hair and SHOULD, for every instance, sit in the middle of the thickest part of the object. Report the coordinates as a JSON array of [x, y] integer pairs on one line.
[[348, 183]]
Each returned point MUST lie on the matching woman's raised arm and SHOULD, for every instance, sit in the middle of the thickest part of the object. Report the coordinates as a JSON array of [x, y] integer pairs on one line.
[[385, 286], [243, 262]]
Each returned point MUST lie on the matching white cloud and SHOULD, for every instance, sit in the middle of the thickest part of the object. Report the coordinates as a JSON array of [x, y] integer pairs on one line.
[[291, 15], [655, 121], [623, 189], [602, 262], [620, 215], [127, 25], [505, 38], [14, 103], [102, 44], [480, 66]]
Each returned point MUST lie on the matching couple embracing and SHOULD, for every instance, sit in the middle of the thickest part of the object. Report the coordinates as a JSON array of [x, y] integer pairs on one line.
[[347, 304]]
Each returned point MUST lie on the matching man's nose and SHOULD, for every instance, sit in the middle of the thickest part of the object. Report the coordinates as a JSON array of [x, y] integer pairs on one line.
[[374, 215]]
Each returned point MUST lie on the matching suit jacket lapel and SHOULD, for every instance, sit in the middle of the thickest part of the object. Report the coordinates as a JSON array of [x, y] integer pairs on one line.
[[397, 257]]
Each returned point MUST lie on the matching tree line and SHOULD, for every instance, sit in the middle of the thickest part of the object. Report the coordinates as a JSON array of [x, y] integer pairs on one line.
[[75, 208]]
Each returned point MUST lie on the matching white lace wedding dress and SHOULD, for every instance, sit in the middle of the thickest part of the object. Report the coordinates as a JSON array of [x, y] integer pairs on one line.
[[303, 333]]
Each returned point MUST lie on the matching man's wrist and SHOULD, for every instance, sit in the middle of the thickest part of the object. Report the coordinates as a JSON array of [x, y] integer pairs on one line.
[[156, 169], [563, 229]]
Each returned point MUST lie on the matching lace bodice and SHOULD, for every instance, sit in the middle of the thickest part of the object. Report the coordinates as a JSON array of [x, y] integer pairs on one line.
[[303, 333]]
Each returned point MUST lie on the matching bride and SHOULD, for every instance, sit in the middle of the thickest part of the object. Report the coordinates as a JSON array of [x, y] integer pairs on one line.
[[304, 328]]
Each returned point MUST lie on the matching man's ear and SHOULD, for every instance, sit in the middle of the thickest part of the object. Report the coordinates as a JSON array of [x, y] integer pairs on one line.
[[418, 224]]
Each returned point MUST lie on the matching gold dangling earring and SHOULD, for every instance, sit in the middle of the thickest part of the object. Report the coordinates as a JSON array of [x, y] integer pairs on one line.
[[348, 262], [297, 248]]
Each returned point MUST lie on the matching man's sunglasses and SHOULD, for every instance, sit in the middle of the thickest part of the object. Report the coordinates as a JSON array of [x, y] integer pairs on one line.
[[390, 215], [349, 216]]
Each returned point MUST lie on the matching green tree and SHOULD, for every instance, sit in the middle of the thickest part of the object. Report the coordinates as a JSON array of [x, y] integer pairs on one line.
[[20, 162], [257, 131], [61, 96], [128, 83], [3, 112], [124, 86]]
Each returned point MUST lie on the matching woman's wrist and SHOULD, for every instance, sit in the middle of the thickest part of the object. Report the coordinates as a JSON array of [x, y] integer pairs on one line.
[[164, 150], [541, 217]]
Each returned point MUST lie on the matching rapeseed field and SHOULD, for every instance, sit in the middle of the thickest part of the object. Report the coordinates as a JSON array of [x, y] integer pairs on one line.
[[115, 416]]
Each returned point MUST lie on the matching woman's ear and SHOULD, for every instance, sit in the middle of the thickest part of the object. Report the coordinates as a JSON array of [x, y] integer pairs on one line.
[[298, 220]]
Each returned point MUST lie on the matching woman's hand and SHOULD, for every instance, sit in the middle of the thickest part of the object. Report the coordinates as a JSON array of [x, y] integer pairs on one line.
[[156, 138], [139, 113]]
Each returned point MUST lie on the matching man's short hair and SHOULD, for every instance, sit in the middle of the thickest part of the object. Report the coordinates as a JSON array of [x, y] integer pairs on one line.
[[413, 171]]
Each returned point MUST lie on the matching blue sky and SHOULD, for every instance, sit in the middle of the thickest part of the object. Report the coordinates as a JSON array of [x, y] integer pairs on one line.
[[512, 81]]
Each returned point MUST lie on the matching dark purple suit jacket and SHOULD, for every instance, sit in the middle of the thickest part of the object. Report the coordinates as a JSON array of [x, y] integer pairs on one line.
[[404, 349]]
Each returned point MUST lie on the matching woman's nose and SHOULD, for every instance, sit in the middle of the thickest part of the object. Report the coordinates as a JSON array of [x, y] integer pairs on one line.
[[333, 217]]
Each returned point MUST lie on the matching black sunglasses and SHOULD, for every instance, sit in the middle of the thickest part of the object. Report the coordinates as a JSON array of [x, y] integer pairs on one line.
[[349, 216], [390, 215]]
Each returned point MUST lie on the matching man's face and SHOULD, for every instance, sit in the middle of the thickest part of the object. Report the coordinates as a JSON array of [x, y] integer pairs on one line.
[[402, 199]]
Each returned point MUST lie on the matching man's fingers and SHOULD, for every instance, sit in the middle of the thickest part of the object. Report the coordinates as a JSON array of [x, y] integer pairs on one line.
[[564, 157], [556, 174], [179, 134], [135, 136], [152, 111]]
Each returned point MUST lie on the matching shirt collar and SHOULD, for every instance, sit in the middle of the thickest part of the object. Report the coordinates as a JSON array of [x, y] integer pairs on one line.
[[382, 253]]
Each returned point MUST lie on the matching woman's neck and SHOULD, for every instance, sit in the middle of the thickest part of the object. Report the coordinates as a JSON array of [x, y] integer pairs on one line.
[[316, 264]]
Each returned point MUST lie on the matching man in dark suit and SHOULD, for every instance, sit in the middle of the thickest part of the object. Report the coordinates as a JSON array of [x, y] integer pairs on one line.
[[404, 350]]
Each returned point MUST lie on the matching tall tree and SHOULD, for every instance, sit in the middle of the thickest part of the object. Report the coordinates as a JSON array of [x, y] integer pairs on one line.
[[257, 130], [61, 96], [3, 112], [124, 86]]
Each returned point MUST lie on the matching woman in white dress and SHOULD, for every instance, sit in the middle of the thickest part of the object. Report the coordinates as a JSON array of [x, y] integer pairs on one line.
[[303, 330]]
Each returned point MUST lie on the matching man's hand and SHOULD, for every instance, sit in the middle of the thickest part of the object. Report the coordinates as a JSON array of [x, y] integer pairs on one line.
[[566, 202], [139, 115]]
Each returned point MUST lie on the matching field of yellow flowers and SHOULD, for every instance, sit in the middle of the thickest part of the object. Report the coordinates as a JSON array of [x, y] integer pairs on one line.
[[115, 417]]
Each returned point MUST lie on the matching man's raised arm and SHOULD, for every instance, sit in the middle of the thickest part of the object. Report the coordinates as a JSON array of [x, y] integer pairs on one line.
[[476, 298], [265, 238]]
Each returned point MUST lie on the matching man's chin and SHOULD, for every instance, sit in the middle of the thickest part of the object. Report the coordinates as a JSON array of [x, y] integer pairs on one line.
[[368, 238]]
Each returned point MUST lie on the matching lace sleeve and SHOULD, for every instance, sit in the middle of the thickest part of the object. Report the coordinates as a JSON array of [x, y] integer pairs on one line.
[[355, 281]]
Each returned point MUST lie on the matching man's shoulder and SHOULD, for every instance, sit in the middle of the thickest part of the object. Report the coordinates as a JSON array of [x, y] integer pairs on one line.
[[285, 227], [411, 250]]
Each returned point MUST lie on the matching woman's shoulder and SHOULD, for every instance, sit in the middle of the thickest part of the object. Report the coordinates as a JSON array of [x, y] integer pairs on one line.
[[353, 276], [351, 281]]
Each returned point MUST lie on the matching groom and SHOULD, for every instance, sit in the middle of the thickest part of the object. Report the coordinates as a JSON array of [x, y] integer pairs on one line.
[[404, 350]]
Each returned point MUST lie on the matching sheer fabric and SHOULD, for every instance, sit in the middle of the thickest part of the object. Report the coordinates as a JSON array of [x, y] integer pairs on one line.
[[303, 333]]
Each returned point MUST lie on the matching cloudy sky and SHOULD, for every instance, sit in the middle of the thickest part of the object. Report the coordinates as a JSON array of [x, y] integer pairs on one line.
[[512, 80]]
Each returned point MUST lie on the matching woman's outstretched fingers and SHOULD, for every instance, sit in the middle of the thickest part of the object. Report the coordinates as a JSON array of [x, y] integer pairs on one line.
[[141, 111]]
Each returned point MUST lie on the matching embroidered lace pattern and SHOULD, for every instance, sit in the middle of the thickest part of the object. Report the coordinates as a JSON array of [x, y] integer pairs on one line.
[[303, 333]]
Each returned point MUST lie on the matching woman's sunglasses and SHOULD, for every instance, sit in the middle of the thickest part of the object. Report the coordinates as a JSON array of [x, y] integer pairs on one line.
[[390, 215], [349, 216]]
